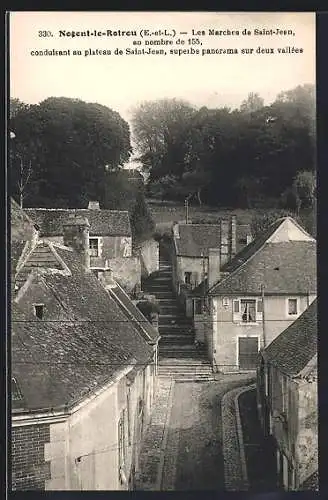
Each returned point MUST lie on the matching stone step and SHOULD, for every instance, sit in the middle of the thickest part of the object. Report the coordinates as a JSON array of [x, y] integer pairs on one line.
[[177, 333], [196, 369], [188, 377], [178, 351], [184, 361], [177, 341]]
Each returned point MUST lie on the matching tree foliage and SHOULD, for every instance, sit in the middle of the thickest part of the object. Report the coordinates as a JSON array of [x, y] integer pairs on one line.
[[225, 157], [68, 143]]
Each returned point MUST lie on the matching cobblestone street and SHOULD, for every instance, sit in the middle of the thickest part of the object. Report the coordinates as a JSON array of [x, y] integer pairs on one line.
[[183, 449]]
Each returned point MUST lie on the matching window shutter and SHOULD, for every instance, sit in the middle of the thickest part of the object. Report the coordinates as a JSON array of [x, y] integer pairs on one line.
[[100, 246], [236, 310], [259, 310]]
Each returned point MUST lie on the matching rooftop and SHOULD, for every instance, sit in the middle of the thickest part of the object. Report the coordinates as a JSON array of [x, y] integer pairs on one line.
[[283, 259], [102, 222], [51, 364], [295, 347]]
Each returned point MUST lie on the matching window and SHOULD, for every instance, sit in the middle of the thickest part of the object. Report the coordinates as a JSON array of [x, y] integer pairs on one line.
[[247, 310], [94, 247], [292, 307], [187, 278], [39, 310]]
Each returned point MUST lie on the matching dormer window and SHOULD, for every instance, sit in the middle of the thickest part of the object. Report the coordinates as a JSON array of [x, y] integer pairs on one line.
[[39, 310], [94, 247]]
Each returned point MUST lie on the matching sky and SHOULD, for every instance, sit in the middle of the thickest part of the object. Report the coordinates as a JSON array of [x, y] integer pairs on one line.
[[122, 82]]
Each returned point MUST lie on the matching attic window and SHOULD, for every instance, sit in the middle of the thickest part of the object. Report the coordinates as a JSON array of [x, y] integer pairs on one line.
[[94, 247], [39, 310]]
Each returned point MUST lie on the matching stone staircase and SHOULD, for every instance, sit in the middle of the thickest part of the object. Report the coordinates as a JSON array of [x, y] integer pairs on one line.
[[178, 356]]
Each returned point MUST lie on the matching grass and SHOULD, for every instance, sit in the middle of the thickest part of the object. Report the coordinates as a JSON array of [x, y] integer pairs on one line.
[[166, 212]]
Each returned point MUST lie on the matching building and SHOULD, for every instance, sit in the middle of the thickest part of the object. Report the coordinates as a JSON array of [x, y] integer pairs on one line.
[[83, 371], [110, 238], [190, 254], [255, 296], [288, 402]]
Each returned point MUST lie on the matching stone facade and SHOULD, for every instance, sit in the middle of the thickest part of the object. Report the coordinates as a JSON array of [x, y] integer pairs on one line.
[[149, 257]]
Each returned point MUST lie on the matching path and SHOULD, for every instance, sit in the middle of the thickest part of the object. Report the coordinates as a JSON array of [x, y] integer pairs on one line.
[[178, 356]]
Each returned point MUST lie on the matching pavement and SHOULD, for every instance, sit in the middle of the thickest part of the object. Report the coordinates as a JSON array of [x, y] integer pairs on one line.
[[192, 441]]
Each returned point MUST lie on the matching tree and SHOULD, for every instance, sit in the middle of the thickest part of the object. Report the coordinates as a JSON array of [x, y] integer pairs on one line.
[[253, 103], [305, 189], [159, 129], [69, 143]]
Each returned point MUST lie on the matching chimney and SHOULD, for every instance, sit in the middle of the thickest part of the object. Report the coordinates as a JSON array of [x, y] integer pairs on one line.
[[105, 276], [175, 229], [76, 235], [214, 265], [224, 246], [93, 205], [233, 236]]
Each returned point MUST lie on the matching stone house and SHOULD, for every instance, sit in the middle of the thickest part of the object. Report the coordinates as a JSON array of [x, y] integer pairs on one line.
[[288, 402], [83, 371], [110, 238], [254, 297], [190, 253]]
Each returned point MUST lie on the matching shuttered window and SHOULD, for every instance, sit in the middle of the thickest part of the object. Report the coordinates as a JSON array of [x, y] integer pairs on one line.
[[247, 310]]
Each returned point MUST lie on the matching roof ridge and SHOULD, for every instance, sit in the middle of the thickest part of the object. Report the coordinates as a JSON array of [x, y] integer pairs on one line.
[[269, 235]]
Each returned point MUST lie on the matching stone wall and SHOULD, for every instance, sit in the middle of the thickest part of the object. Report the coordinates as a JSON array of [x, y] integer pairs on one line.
[[149, 257], [127, 271], [30, 470]]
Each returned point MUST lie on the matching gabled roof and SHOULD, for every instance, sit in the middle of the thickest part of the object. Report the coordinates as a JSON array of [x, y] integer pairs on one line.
[[57, 363], [58, 360], [283, 259], [102, 222], [296, 346], [140, 321], [196, 239]]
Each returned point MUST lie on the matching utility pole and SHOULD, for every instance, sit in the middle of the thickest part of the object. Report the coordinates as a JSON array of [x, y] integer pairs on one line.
[[263, 317]]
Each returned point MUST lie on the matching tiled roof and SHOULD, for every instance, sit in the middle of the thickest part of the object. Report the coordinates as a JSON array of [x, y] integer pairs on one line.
[[196, 239], [57, 363], [102, 222], [311, 483], [140, 321], [95, 341], [292, 350], [283, 267]]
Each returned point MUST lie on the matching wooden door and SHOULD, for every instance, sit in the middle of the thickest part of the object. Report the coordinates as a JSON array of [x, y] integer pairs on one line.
[[247, 352]]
